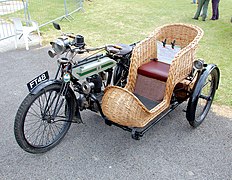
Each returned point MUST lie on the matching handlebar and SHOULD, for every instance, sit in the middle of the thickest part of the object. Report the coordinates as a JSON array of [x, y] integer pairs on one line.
[[78, 50], [77, 45]]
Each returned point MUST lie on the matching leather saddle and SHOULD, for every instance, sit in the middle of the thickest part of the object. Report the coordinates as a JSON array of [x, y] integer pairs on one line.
[[125, 49]]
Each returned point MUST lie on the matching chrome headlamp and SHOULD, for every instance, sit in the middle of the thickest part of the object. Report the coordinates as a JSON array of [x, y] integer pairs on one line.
[[198, 64], [59, 46]]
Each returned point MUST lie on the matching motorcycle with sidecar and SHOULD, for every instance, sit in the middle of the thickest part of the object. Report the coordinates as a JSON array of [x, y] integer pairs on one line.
[[150, 79]]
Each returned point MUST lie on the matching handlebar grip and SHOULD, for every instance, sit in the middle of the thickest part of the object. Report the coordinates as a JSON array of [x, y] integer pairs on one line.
[[71, 36]]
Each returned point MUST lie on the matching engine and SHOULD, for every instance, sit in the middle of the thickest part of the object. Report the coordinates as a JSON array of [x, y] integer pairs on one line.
[[92, 84], [92, 93]]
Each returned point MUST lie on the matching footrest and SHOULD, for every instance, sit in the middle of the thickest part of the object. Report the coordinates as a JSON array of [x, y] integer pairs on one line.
[[149, 104]]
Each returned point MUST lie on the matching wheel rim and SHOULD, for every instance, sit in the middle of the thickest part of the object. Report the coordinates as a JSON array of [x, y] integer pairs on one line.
[[205, 98], [41, 128]]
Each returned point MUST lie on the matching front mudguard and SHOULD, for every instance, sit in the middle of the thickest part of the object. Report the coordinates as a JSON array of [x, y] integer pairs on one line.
[[43, 85]]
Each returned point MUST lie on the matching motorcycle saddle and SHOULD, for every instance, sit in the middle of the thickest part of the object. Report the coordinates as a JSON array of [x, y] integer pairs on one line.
[[125, 49]]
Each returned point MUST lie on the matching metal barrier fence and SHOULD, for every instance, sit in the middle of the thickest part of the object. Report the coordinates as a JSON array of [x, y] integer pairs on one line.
[[52, 10], [42, 11]]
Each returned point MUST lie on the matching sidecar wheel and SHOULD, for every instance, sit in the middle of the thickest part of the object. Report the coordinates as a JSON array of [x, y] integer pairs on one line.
[[201, 99], [35, 128]]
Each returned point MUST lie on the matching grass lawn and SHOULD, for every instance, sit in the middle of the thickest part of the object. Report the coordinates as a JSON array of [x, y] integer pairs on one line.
[[127, 21]]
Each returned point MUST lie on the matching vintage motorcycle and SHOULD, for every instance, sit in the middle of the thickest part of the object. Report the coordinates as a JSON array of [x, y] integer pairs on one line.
[[159, 79], [47, 112]]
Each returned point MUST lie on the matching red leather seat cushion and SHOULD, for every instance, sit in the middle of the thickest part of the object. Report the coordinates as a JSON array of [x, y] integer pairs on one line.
[[155, 69]]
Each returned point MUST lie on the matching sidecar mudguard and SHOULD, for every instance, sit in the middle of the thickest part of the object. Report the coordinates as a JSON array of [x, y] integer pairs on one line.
[[205, 73], [41, 86]]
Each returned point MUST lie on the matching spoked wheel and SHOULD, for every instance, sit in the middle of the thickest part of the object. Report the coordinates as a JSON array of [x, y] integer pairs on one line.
[[200, 102], [120, 76], [43, 119]]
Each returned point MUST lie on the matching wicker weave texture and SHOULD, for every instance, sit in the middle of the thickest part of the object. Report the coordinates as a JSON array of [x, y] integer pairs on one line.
[[121, 106]]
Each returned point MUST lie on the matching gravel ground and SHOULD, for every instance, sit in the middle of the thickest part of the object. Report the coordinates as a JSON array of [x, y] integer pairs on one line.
[[93, 150]]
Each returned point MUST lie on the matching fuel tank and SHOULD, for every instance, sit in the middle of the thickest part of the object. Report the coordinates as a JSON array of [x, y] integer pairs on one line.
[[92, 66]]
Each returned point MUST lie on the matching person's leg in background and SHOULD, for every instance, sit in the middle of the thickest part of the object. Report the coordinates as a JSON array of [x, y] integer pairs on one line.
[[215, 11], [200, 5], [205, 9]]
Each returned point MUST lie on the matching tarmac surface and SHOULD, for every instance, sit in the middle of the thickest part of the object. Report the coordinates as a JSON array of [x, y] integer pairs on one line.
[[93, 150]]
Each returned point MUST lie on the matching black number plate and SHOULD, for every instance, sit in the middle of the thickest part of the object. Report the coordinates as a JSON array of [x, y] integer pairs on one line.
[[41, 78]]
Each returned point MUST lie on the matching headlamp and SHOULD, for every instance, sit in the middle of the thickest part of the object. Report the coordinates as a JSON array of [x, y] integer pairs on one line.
[[60, 45], [198, 64]]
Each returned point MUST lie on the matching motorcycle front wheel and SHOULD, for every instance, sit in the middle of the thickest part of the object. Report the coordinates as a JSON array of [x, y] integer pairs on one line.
[[43, 119]]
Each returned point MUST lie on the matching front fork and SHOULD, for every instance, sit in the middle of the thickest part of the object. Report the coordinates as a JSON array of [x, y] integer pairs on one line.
[[60, 99], [64, 69], [65, 84]]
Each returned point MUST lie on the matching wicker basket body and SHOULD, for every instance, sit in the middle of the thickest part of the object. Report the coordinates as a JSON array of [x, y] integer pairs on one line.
[[120, 105]]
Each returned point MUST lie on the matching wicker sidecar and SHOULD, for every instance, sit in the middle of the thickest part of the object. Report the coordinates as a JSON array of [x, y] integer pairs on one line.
[[155, 87]]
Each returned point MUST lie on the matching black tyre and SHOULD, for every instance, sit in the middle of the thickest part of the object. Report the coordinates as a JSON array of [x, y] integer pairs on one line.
[[120, 76], [36, 129], [200, 102]]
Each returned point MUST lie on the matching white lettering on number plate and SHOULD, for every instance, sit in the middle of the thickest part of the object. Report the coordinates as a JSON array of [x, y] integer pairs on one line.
[[37, 80]]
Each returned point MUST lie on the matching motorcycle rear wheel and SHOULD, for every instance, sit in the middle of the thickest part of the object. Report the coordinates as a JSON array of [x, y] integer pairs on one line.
[[36, 129], [120, 76]]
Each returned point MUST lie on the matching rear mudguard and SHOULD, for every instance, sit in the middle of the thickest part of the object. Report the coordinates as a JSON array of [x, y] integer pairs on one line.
[[43, 85], [204, 74]]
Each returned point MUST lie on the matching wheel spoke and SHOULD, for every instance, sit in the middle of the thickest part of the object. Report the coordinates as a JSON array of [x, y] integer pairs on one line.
[[207, 98], [42, 135], [206, 83], [58, 127], [32, 124], [38, 134], [33, 132], [34, 113], [48, 134], [39, 105], [53, 131]]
